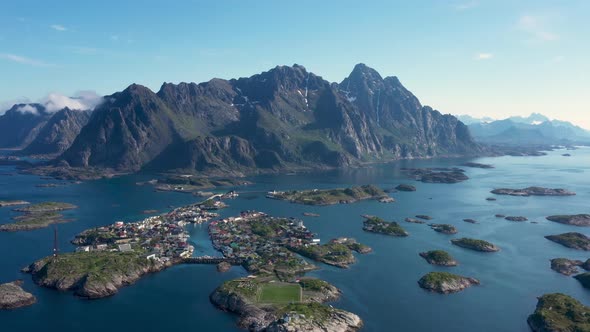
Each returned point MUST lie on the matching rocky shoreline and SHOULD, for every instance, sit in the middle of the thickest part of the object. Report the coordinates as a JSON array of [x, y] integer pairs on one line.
[[571, 240], [439, 257], [474, 244], [574, 220], [12, 296], [533, 191], [69, 272], [239, 297], [559, 313], [446, 283]]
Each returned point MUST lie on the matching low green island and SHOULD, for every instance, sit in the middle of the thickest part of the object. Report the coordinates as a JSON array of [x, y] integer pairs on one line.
[[193, 183], [444, 228], [559, 313], [573, 219], [446, 283], [92, 274], [13, 203], [439, 257], [331, 196], [377, 225], [475, 244], [37, 216], [571, 240], [337, 252]]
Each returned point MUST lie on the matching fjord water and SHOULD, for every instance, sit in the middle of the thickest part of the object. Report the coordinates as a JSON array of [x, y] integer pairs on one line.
[[381, 287]]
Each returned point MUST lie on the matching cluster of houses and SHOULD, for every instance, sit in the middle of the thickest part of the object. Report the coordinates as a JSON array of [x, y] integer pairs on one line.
[[235, 236], [158, 237], [190, 214]]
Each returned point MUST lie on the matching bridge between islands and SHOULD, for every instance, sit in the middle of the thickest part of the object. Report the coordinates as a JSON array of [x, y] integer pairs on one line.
[[212, 260]]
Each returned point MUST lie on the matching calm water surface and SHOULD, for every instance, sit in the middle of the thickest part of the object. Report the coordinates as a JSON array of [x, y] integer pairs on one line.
[[381, 287]]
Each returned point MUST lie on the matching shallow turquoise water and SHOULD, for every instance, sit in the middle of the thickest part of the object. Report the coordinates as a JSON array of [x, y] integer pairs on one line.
[[381, 287]]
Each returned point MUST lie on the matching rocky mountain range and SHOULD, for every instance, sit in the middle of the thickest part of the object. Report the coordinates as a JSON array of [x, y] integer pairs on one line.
[[20, 125], [284, 118], [534, 129]]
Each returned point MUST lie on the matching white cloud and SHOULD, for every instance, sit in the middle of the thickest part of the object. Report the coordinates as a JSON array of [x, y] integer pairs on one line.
[[484, 56], [58, 27], [27, 109], [83, 100], [536, 27], [466, 5], [24, 60]]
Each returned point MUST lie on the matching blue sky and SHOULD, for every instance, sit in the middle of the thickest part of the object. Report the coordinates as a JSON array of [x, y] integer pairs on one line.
[[494, 58]]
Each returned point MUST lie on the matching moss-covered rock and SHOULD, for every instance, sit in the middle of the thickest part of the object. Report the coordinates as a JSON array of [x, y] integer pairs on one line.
[[559, 313], [438, 257], [445, 283]]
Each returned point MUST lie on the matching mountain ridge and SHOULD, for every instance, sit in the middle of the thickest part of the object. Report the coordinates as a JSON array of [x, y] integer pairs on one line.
[[280, 119]]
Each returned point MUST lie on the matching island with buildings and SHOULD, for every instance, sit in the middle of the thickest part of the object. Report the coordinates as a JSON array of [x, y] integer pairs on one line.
[[275, 296]]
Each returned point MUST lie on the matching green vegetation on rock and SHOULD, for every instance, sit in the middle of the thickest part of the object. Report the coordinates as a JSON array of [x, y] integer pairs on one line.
[[438, 257], [559, 313], [331, 196], [92, 274], [378, 225], [475, 244], [571, 240]]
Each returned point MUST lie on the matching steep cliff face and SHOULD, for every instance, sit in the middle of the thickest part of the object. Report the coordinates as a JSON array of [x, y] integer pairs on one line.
[[125, 132], [20, 124], [58, 133], [285, 117]]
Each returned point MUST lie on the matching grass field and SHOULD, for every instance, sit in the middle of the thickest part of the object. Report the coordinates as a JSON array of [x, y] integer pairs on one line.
[[281, 293]]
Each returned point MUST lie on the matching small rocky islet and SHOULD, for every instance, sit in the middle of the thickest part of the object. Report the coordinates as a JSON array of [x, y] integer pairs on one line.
[[446, 283], [414, 221], [470, 221], [377, 225], [439, 257], [444, 228], [477, 165], [516, 218], [12, 296], [566, 266], [571, 240], [405, 187], [475, 244], [437, 175], [559, 313], [574, 219], [533, 191]]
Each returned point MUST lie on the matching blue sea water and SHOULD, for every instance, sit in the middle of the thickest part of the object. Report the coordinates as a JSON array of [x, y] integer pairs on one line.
[[381, 287]]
